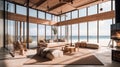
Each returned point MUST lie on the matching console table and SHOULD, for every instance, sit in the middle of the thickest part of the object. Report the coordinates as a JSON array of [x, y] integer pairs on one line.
[[116, 55]]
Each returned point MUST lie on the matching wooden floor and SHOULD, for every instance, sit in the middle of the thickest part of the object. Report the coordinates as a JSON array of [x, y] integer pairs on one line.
[[103, 54]]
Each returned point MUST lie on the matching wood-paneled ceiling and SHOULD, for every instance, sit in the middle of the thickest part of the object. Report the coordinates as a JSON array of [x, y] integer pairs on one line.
[[57, 7]]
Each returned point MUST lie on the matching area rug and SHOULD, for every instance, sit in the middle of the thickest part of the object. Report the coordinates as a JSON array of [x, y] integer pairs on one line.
[[75, 59]]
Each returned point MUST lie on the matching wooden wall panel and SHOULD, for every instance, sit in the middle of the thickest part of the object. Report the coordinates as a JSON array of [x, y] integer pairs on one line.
[[22, 18]]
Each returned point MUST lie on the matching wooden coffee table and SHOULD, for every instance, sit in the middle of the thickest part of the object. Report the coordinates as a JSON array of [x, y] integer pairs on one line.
[[69, 49]]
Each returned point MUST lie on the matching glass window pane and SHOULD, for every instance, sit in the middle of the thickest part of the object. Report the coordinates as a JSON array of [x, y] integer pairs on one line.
[[69, 33], [48, 32], [92, 10], [74, 33], [41, 15], [104, 32], [11, 33], [104, 7], [21, 10], [59, 32], [33, 35], [83, 31], [32, 12], [74, 14], [62, 18], [58, 19], [113, 4], [63, 32], [48, 16], [11, 7], [82, 12], [41, 32], [93, 31], [55, 18], [67, 16]]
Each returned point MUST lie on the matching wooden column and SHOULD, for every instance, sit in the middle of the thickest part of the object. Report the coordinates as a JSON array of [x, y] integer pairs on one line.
[[112, 18], [87, 26], [15, 26], [60, 29], [51, 25], [45, 27], [78, 28], [24, 30], [71, 26], [20, 31], [37, 29], [28, 24], [4, 17], [97, 24], [16, 30]]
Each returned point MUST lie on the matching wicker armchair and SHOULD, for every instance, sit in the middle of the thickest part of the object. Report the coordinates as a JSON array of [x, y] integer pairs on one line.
[[42, 43], [19, 47]]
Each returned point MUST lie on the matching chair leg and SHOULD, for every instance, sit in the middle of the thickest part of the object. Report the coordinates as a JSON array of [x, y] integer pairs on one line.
[[21, 52]]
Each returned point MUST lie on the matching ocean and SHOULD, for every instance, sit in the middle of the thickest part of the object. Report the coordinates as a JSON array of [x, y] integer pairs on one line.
[[103, 40], [75, 37]]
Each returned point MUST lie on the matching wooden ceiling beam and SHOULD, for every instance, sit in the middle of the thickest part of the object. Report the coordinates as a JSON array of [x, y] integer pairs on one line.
[[85, 5], [100, 16], [56, 6], [39, 3], [91, 3]]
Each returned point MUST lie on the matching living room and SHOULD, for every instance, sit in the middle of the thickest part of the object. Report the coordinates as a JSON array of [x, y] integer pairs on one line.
[[59, 33]]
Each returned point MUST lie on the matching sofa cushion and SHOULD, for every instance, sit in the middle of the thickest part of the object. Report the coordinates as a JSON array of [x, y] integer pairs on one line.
[[87, 45], [92, 45]]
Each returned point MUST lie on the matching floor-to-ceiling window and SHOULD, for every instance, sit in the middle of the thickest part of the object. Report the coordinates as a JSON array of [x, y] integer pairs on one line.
[[48, 32], [32, 29], [11, 34], [9, 28], [92, 25], [32, 35], [74, 27], [104, 32], [68, 27], [69, 34], [83, 31], [83, 26], [41, 33], [21, 27], [59, 31], [92, 29], [63, 32], [74, 33], [104, 25]]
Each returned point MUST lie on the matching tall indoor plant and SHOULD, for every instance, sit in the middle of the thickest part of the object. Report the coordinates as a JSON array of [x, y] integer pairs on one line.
[[55, 31]]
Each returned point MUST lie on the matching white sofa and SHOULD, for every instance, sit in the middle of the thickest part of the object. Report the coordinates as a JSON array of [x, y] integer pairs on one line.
[[56, 44]]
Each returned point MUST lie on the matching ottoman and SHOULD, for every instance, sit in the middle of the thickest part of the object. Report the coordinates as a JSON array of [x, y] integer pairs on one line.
[[54, 53], [49, 53]]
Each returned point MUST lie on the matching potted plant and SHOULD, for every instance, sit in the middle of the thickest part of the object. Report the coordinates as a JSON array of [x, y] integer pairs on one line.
[[55, 32]]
